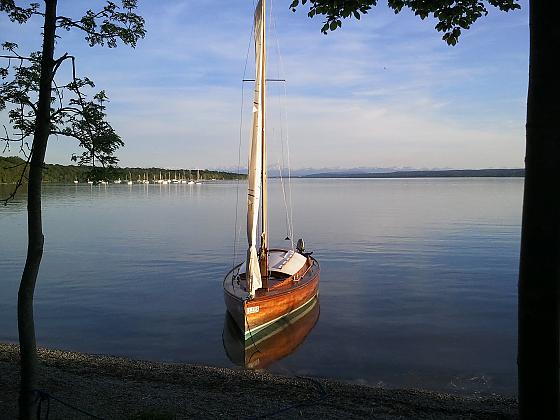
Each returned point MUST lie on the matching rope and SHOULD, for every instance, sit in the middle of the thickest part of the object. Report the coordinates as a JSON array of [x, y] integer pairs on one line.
[[252, 339], [45, 396], [322, 395], [322, 391]]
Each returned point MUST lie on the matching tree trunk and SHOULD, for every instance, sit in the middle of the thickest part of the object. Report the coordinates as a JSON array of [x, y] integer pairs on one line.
[[26, 326], [539, 274]]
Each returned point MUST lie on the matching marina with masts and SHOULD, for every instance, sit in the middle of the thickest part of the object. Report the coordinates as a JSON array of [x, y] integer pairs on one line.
[[130, 176]]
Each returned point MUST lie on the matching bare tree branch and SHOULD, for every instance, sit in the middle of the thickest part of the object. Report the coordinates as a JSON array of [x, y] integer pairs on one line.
[[66, 109], [17, 57], [59, 61], [19, 182]]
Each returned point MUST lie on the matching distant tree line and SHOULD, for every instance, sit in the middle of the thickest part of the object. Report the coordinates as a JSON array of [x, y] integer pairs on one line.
[[10, 171]]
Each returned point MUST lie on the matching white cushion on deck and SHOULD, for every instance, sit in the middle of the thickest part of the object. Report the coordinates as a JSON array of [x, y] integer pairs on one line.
[[285, 262]]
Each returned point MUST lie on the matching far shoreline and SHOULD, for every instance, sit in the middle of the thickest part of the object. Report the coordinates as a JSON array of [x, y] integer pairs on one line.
[[452, 174]]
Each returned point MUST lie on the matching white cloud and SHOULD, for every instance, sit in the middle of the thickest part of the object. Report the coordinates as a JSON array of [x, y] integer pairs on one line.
[[385, 91], [191, 127]]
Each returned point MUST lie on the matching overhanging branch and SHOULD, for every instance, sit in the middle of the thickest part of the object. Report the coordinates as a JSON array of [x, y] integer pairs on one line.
[[19, 182], [18, 57]]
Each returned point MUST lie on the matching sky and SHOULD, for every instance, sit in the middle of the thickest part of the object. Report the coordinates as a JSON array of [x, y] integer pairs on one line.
[[382, 92]]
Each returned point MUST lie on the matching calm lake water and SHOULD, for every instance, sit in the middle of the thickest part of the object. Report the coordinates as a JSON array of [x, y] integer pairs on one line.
[[418, 276]]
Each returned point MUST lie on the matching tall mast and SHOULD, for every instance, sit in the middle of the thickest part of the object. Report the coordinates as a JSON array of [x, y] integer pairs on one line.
[[264, 216], [257, 261]]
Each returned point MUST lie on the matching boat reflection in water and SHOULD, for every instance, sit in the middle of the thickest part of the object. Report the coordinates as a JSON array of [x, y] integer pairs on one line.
[[274, 343]]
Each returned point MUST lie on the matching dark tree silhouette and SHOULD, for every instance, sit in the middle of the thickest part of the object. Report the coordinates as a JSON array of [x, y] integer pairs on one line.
[[37, 108], [539, 274]]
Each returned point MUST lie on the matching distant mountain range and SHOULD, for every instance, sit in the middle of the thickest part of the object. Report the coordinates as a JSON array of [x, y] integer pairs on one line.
[[274, 172], [449, 173], [372, 172]]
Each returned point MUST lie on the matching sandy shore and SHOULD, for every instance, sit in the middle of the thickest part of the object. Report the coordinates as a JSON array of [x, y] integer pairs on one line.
[[118, 388]]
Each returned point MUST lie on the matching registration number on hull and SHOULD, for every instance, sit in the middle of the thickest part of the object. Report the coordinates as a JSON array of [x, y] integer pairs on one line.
[[252, 309]]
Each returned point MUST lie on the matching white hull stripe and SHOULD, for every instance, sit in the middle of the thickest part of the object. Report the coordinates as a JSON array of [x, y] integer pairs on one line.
[[253, 331], [253, 343]]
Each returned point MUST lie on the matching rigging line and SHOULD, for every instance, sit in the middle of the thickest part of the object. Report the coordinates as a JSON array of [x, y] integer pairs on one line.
[[240, 140], [266, 80], [285, 202], [281, 71], [282, 165], [288, 163], [237, 182], [282, 170], [291, 206], [285, 109], [274, 32]]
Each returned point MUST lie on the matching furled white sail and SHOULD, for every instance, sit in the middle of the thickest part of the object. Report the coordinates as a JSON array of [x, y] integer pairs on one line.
[[255, 155]]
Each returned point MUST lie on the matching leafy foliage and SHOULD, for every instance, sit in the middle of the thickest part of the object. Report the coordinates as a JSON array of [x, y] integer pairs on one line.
[[96, 135], [16, 13], [452, 15], [72, 113], [109, 25], [10, 168]]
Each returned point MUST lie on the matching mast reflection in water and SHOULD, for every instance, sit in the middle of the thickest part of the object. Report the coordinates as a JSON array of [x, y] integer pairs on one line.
[[275, 343]]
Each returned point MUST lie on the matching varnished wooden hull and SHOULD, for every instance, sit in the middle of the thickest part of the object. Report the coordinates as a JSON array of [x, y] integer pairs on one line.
[[267, 307], [271, 344]]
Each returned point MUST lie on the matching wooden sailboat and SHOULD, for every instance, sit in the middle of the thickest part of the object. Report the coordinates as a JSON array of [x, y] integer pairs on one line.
[[272, 283]]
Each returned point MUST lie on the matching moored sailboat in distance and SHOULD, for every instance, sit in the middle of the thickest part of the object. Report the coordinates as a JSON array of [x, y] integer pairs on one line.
[[272, 283]]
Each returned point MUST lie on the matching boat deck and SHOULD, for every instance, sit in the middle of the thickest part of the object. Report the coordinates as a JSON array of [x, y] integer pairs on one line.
[[278, 283]]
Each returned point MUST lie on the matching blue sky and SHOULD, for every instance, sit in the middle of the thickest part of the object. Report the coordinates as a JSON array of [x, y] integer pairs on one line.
[[382, 92]]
